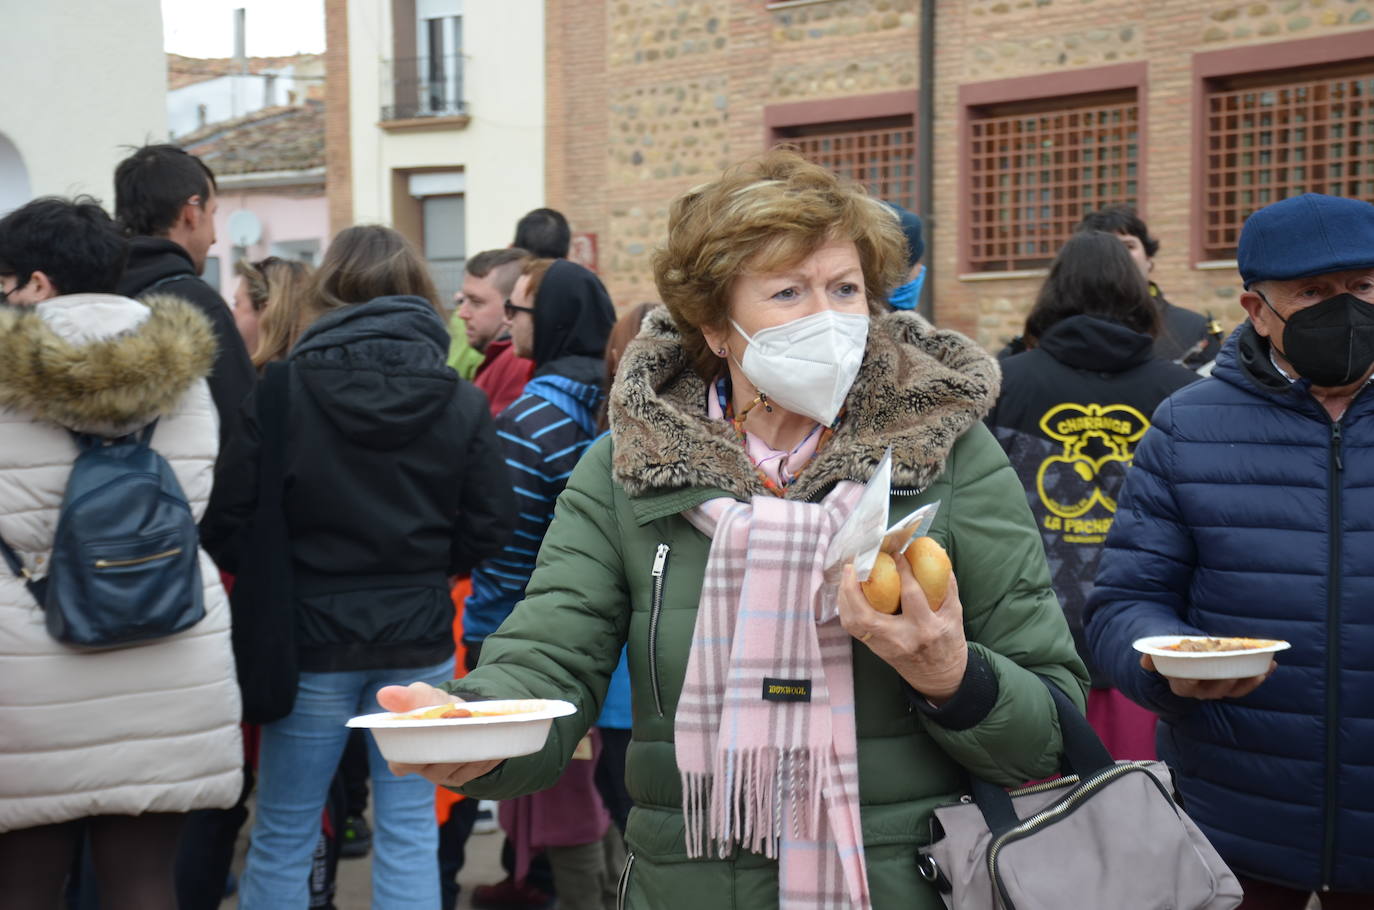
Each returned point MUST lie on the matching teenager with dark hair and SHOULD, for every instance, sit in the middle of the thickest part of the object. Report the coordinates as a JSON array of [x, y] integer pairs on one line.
[[1185, 337], [118, 745], [1069, 415], [165, 199], [544, 233], [71, 247]]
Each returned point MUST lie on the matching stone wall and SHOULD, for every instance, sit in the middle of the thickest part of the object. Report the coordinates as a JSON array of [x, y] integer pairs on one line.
[[646, 98], [985, 40]]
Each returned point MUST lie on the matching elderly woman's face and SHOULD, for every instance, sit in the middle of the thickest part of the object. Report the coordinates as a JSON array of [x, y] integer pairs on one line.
[[831, 278]]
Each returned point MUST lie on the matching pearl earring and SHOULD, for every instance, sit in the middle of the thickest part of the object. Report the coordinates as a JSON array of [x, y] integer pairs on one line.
[[721, 350]]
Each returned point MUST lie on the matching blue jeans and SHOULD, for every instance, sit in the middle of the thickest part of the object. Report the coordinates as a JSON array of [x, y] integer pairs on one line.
[[298, 758]]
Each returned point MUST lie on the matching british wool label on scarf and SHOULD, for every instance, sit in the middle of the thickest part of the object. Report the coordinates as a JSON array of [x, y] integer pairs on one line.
[[786, 689]]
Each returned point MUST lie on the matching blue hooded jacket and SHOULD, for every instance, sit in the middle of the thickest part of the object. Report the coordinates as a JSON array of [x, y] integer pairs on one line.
[[545, 431], [1248, 512]]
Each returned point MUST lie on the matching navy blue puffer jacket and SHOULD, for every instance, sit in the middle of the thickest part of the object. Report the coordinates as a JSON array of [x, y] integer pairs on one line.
[[1249, 512]]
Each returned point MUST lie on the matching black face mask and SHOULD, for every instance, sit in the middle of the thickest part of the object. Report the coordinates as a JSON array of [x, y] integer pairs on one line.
[[1330, 343]]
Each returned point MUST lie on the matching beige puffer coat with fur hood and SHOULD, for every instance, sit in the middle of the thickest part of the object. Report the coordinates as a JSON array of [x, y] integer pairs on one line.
[[149, 728]]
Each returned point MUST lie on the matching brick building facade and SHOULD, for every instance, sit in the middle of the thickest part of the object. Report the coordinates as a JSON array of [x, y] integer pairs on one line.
[[1195, 110]]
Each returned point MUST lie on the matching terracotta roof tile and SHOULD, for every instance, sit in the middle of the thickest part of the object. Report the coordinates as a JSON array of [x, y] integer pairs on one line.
[[273, 139]]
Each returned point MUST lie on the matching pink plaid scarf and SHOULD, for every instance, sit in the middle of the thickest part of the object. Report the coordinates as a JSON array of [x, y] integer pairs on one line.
[[765, 735]]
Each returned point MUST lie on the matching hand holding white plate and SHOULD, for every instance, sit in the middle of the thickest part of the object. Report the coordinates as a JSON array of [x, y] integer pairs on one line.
[[1235, 663], [494, 731]]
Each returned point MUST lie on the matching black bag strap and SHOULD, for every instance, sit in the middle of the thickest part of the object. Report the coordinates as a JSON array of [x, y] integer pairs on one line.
[[273, 401], [1083, 752], [37, 588]]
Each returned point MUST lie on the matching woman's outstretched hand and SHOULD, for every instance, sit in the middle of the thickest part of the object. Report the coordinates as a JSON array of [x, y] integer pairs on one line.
[[399, 700], [925, 646]]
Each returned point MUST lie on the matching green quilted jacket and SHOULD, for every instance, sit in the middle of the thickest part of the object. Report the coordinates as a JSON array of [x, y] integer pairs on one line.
[[621, 565]]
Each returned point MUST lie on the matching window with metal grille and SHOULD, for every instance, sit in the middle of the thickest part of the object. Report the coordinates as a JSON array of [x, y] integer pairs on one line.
[[1277, 135], [1036, 169], [880, 154]]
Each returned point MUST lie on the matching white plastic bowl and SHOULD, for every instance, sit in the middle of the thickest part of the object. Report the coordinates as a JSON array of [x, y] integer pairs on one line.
[[1207, 664], [465, 739]]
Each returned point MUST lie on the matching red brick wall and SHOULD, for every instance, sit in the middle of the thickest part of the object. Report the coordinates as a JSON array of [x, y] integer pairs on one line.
[[337, 152], [647, 98]]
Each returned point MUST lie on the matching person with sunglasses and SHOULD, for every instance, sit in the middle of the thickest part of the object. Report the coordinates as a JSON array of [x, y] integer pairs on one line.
[[559, 316]]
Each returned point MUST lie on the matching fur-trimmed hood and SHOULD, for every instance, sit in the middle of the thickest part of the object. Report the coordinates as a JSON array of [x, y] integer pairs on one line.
[[100, 363], [919, 389]]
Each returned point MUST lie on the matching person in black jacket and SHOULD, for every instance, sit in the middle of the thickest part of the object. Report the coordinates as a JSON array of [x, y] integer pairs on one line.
[[1069, 416], [165, 199], [394, 481], [1185, 337]]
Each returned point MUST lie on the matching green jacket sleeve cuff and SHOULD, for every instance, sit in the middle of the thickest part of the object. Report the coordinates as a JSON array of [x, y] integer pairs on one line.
[[1018, 738], [973, 701]]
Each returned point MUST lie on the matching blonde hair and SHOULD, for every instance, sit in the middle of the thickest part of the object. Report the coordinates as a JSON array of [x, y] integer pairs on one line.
[[368, 261], [280, 289], [765, 214]]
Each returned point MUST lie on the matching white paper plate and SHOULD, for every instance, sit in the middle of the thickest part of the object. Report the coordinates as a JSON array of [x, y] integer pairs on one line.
[[1207, 664], [464, 739]]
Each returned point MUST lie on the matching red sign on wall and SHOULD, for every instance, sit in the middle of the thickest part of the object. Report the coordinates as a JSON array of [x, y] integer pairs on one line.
[[583, 250]]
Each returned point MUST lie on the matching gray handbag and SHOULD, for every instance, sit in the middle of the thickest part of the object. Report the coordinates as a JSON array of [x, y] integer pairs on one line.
[[1110, 835]]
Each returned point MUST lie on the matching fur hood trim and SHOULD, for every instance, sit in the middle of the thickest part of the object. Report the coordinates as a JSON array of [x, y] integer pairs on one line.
[[919, 390], [106, 384]]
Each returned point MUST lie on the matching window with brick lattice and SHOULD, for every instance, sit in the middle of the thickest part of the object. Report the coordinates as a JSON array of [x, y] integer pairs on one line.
[[1035, 169], [880, 153], [1274, 135]]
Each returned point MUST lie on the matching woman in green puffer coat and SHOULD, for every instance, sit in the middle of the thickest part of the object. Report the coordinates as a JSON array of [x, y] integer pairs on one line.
[[789, 742]]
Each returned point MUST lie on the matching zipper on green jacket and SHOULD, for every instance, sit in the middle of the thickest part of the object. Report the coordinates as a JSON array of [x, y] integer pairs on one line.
[[1333, 645], [659, 571], [623, 888]]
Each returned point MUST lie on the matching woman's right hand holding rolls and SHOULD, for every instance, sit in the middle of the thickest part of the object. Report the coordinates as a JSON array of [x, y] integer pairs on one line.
[[926, 646]]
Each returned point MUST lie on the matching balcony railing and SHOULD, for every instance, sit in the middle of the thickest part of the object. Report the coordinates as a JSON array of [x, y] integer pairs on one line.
[[423, 87]]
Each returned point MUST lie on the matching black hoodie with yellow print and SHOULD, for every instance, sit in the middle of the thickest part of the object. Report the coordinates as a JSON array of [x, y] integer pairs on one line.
[[1069, 417]]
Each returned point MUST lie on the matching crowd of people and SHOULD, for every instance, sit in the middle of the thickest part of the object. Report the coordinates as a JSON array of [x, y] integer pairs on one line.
[[397, 506]]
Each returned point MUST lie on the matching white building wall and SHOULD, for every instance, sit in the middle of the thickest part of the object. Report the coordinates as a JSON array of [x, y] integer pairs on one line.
[[501, 151], [80, 81], [229, 97]]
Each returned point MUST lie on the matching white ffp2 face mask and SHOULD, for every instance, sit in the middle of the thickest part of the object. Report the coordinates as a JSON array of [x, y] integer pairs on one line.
[[807, 365]]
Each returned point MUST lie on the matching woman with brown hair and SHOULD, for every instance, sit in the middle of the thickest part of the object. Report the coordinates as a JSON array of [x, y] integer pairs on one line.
[[270, 306], [1071, 412], [393, 482], [789, 741]]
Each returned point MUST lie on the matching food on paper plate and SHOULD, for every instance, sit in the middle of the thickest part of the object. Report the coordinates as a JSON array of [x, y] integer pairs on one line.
[[438, 712], [930, 564], [464, 731], [1215, 645], [457, 709], [884, 586], [1209, 657]]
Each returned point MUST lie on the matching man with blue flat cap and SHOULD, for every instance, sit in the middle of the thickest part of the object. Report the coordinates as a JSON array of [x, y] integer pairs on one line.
[[1249, 512]]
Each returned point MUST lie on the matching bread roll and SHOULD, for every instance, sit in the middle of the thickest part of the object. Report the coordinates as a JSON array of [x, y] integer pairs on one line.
[[884, 586], [930, 564]]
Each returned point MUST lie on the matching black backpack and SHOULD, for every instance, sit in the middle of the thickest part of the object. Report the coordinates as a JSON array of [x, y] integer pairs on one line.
[[125, 564]]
